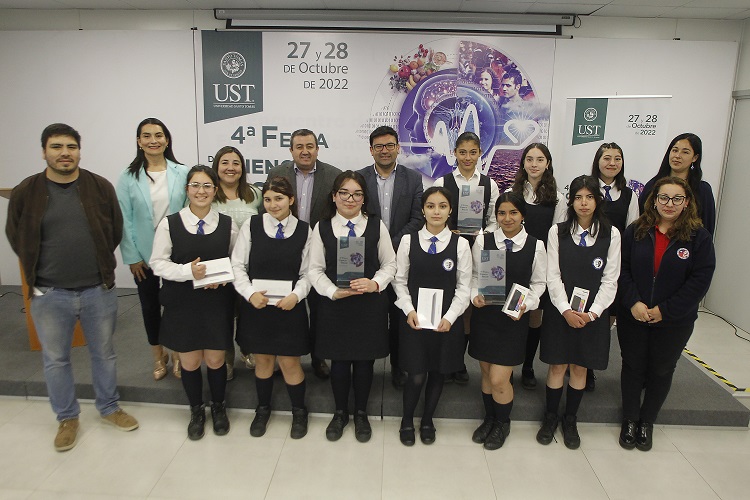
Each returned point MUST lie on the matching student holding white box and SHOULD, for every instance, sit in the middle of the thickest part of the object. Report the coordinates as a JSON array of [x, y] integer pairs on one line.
[[197, 323], [582, 252], [497, 340]]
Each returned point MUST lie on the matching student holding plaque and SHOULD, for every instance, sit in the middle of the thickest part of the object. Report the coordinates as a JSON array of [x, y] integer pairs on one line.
[[432, 286], [270, 262], [545, 206], [583, 263], [240, 200], [197, 322], [351, 263], [668, 261], [497, 340], [474, 196]]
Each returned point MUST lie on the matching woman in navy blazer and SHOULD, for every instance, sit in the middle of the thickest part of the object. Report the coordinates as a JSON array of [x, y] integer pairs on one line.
[[152, 187], [668, 261]]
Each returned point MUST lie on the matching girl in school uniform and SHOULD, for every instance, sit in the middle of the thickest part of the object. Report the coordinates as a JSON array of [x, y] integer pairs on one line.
[[352, 322], [468, 150], [240, 200], [620, 205], [668, 262], [274, 246], [433, 257], [582, 252], [545, 206], [498, 341], [152, 187], [197, 323]]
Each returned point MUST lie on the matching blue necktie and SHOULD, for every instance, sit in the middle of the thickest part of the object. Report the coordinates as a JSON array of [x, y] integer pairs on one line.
[[509, 245], [433, 248], [350, 225], [606, 193], [280, 232], [582, 243], [200, 227]]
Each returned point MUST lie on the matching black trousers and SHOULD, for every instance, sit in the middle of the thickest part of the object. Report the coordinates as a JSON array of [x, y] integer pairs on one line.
[[394, 317], [148, 293], [649, 358]]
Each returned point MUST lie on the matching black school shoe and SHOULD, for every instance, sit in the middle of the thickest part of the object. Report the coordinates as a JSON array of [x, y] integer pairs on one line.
[[219, 418], [547, 430], [461, 377], [644, 436], [336, 428], [299, 423], [427, 434], [627, 434], [481, 433], [497, 436], [570, 432], [362, 429], [197, 425], [260, 422], [528, 379], [590, 380], [407, 436]]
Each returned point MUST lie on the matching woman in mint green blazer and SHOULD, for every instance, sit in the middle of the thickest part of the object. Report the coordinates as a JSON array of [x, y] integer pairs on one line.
[[152, 187]]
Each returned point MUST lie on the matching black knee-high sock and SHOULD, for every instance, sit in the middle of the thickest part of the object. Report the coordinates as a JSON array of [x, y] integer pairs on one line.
[[432, 393], [264, 387], [412, 390], [553, 399], [502, 411], [574, 397], [341, 381], [532, 342], [363, 373], [217, 382], [192, 381], [489, 406], [297, 394]]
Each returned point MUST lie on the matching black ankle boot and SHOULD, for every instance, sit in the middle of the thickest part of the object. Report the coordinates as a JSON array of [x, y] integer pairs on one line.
[[219, 418], [197, 422]]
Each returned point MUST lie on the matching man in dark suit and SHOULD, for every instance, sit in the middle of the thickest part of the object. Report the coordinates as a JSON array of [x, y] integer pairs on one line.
[[395, 195], [312, 181]]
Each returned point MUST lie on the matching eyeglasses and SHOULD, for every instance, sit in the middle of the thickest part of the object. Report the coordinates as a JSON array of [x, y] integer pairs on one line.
[[198, 185], [391, 146], [346, 195], [663, 199]]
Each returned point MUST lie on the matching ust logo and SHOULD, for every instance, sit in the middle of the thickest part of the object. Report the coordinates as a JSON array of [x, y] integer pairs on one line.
[[590, 120]]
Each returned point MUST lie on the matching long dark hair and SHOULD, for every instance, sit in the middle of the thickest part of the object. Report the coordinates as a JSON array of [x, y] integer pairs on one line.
[[513, 198], [330, 209], [684, 226], [281, 185], [139, 162], [595, 172], [695, 174], [598, 219], [244, 191], [546, 192]]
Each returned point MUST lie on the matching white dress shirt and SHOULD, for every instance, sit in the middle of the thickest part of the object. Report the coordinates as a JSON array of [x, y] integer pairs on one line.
[[608, 288], [615, 194], [241, 255], [538, 268], [162, 264], [490, 223], [463, 272], [317, 270], [159, 192]]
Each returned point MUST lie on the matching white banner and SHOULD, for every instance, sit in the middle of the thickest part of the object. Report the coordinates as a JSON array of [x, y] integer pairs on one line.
[[430, 88], [638, 124]]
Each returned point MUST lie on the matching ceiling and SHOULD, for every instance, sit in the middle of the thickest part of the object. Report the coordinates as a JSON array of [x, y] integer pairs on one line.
[[682, 9]]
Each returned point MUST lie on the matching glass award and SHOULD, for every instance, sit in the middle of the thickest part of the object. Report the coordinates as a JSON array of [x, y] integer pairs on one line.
[[492, 273], [350, 260], [470, 209]]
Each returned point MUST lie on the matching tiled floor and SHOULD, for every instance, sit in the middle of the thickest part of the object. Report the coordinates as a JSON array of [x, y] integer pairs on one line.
[[158, 461]]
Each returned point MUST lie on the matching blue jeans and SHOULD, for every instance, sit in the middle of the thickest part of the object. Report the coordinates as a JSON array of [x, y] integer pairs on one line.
[[55, 314]]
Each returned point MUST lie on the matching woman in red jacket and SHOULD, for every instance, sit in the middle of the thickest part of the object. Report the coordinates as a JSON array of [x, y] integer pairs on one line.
[[667, 264]]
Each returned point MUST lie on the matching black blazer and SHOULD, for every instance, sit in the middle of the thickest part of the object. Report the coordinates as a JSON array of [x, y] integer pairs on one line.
[[325, 174], [406, 207]]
